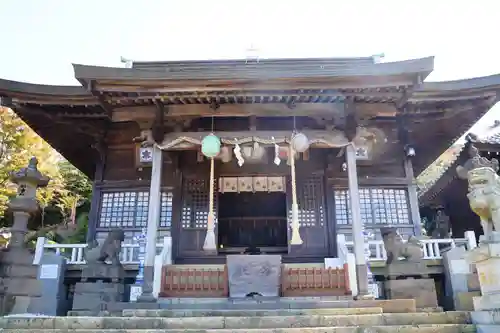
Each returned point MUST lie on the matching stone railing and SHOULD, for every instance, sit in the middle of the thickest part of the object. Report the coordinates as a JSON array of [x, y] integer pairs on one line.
[[433, 248], [75, 252]]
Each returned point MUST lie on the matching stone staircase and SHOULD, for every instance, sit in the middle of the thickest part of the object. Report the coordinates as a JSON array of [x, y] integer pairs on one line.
[[260, 317]]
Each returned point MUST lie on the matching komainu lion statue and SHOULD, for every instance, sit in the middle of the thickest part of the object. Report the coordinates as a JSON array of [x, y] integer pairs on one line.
[[484, 189], [396, 247], [109, 250]]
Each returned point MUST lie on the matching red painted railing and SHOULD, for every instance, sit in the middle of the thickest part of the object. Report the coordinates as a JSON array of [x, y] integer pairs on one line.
[[194, 282], [315, 282]]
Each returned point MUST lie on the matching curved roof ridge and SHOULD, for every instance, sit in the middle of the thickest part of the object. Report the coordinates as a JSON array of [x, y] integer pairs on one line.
[[236, 61], [470, 83], [251, 71]]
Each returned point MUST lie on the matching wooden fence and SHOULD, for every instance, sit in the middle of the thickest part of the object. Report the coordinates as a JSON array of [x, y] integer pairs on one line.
[[194, 282], [315, 282], [204, 282]]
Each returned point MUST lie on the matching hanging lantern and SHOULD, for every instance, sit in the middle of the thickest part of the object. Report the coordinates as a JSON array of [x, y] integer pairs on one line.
[[210, 146], [300, 142]]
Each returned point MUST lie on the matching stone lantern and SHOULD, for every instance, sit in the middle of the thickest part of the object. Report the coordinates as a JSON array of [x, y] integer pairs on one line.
[[25, 204]]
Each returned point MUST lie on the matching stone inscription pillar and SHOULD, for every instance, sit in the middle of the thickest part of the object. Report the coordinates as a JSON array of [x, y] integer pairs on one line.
[[357, 223], [152, 228]]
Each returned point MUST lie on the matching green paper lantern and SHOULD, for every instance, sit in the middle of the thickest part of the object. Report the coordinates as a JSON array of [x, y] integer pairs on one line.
[[210, 146]]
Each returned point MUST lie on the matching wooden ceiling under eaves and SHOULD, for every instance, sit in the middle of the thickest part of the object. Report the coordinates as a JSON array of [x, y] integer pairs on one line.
[[73, 119]]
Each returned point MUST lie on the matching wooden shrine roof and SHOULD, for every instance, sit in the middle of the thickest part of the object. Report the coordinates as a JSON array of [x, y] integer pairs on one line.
[[439, 112], [437, 177]]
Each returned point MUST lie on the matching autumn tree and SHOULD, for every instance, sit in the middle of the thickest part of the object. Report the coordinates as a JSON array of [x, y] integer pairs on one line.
[[68, 188]]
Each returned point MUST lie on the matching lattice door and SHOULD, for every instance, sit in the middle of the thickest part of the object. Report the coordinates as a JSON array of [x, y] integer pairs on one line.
[[311, 202], [195, 204]]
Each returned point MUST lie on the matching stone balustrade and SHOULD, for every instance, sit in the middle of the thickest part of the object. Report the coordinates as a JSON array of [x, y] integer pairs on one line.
[[433, 249], [74, 253]]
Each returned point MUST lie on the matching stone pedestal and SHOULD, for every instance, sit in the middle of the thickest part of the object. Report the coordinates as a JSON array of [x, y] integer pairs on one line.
[[423, 291], [461, 281], [95, 297], [52, 300], [404, 280], [102, 272], [254, 275], [17, 271], [19, 277], [486, 259]]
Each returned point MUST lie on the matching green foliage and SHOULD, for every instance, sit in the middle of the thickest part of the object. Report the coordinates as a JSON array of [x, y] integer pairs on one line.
[[80, 234], [68, 193]]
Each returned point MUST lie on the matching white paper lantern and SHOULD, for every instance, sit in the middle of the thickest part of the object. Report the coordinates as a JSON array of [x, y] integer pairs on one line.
[[300, 142]]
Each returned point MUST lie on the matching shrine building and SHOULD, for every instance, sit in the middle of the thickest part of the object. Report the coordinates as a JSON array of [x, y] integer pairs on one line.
[[445, 191], [280, 155]]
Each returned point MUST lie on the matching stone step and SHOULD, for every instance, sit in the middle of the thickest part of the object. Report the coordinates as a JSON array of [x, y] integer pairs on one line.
[[433, 309], [447, 328], [390, 306], [236, 323], [248, 313]]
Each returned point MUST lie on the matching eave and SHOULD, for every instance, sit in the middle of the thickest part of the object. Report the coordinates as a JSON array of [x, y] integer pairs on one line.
[[21, 92], [277, 76]]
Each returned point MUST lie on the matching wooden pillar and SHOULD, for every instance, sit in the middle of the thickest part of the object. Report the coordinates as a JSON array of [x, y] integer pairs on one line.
[[96, 200], [357, 223], [152, 228], [413, 198]]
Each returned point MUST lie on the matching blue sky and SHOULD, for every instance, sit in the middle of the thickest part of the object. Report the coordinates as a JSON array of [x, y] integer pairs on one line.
[[41, 38]]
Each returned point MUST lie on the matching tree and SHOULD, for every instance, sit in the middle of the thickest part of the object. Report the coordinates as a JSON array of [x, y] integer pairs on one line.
[[18, 143], [67, 197]]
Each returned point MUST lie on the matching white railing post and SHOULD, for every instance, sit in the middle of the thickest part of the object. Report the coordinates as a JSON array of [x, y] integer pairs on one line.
[[342, 250], [351, 268], [471, 240], [161, 260], [39, 249]]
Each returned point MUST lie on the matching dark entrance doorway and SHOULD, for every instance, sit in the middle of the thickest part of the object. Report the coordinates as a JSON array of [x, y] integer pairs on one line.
[[252, 220]]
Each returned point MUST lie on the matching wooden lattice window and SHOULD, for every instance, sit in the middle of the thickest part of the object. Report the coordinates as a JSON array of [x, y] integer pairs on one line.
[[195, 204], [129, 210], [124, 209], [310, 200], [377, 205]]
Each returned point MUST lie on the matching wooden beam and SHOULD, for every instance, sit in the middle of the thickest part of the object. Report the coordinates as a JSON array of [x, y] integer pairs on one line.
[[91, 87], [78, 127], [145, 113], [254, 94], [172, 86], [409, 92]]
